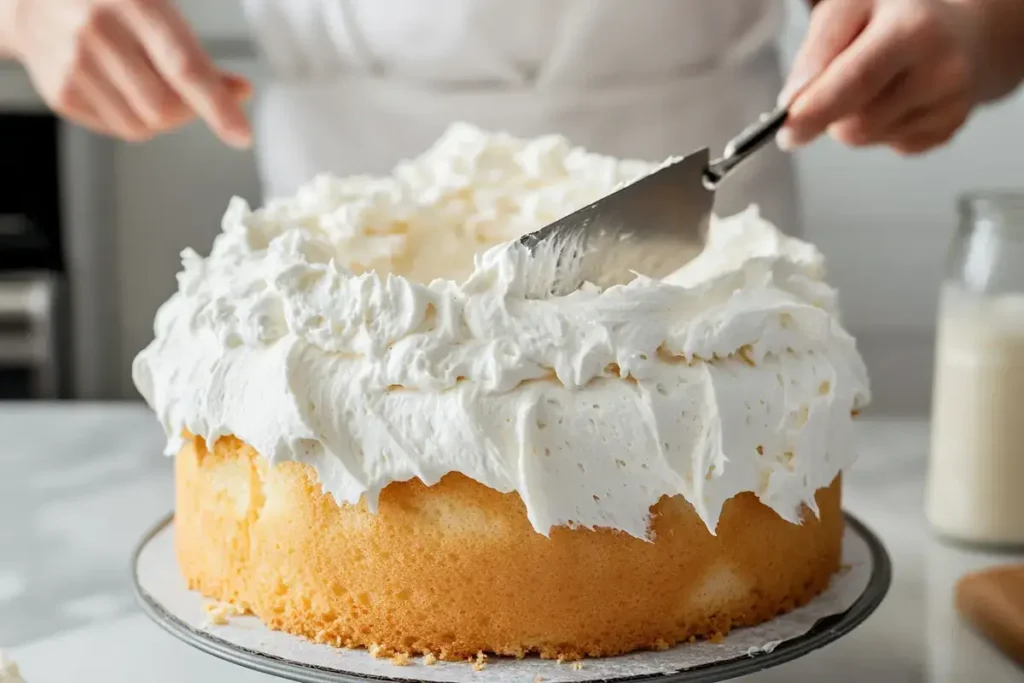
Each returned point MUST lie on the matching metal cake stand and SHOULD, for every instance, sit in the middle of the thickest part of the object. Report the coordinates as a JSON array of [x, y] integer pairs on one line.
[[246, 642]]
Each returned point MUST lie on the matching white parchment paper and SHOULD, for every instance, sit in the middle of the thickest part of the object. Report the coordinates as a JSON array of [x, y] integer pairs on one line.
[[158, 575]]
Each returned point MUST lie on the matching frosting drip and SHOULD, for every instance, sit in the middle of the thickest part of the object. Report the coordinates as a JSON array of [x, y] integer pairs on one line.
[[316, 331]]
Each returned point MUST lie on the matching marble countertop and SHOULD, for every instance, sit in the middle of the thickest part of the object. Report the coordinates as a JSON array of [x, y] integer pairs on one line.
[[80, 483]]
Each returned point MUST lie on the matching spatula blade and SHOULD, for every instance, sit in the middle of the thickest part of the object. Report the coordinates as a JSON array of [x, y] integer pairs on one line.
[[651, 227]]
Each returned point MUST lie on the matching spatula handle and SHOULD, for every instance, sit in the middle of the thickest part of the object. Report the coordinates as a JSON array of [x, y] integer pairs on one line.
[[743, 145]]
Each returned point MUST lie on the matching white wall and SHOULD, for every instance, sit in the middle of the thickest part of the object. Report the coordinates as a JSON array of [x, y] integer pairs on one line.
[[882, 220]]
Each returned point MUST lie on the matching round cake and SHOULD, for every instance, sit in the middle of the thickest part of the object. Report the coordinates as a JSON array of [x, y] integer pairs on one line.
[[385, 438]]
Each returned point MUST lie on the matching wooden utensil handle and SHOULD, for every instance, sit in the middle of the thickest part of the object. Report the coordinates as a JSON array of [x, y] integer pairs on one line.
[[992, 601]]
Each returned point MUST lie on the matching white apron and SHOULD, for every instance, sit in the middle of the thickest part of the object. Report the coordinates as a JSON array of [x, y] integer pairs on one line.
[[360, 84]]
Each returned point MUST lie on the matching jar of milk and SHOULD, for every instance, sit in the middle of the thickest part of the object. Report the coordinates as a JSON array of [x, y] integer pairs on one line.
[[976, 473]]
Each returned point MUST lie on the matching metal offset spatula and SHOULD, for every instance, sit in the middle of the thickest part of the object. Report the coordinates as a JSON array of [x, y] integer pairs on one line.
[[652, 226]]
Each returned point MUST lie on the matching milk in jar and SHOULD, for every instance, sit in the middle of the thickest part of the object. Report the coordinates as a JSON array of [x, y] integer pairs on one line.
[[976, 471]]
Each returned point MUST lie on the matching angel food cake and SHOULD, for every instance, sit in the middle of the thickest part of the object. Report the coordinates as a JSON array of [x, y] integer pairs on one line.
[[382, 442]]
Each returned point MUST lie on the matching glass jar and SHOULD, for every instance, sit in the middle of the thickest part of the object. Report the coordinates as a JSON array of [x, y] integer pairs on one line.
[[976, 470]]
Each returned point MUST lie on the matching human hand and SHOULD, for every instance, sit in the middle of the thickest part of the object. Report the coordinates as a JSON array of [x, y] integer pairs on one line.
[[896, 72], [127, 68]]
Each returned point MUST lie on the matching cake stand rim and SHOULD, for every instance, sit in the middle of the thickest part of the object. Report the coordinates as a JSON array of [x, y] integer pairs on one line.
[[827, 630]]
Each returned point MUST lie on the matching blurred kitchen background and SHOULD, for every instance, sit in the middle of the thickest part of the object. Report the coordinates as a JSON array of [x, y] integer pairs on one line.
[[91, 229]]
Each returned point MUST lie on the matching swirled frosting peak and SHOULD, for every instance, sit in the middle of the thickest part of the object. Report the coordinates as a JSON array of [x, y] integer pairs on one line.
[[378, 330]]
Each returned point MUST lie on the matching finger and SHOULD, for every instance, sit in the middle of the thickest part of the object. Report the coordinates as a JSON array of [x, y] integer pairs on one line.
[[834, 25], [851, 81], [930, 126], [75, 107], [180, 59], [179, 117], [127, 66], [906, 96], [916, 145], [110, 104], [239, 86], [941, 115], [875, 122]]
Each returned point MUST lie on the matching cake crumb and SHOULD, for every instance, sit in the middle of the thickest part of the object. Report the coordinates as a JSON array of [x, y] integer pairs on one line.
[[661, 644], [376, 651], [844, 569], [717, 638], [430, 659], [219, 613], [692, 639], [577, 665], [400, 659], [480, 663]]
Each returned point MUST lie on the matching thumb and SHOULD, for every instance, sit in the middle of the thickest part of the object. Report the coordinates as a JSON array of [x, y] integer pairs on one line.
[[834, 26]]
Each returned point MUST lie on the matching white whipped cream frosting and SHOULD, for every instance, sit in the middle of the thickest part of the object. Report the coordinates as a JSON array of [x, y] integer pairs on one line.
[[9, 670], [297, 336]]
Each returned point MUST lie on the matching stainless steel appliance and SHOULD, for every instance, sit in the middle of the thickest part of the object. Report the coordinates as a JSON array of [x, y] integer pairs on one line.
[[32, 269]]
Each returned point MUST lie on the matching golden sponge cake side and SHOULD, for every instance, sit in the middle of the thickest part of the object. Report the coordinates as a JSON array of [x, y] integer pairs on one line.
[[456, 568]]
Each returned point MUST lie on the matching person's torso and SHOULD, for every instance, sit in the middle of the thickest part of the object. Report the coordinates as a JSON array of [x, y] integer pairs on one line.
[[360, 84], [477, 42]]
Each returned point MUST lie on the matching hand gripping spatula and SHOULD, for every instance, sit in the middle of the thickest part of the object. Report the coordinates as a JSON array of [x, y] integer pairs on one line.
[[652, 226]]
